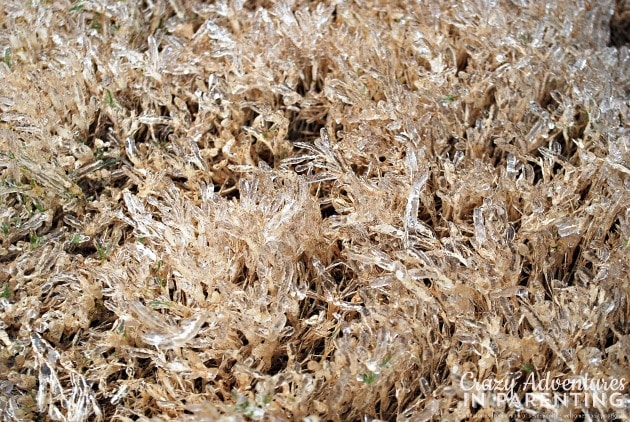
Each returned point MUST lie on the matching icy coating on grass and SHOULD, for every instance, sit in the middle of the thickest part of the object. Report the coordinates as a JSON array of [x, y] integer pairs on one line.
[[311, 211]]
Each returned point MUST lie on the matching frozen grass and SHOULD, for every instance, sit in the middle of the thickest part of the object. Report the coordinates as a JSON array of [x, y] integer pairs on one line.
[[276, 212]]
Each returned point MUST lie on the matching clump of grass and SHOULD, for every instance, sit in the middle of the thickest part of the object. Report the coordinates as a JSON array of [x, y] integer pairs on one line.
[[309, 211]]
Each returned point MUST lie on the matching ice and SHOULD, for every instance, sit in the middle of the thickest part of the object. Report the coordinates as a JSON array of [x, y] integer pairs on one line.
[[480, 230], [413, 203], [568, 227], [511, 165], [291, 210]]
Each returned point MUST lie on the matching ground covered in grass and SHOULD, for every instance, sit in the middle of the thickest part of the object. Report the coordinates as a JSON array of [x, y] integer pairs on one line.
[[313, 211]]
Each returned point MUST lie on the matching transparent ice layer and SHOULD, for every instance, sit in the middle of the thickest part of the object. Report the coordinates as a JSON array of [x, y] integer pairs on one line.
[[260, 210]]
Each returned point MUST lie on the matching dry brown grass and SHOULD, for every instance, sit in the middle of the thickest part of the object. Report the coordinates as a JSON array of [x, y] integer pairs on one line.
[[328, 211]]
